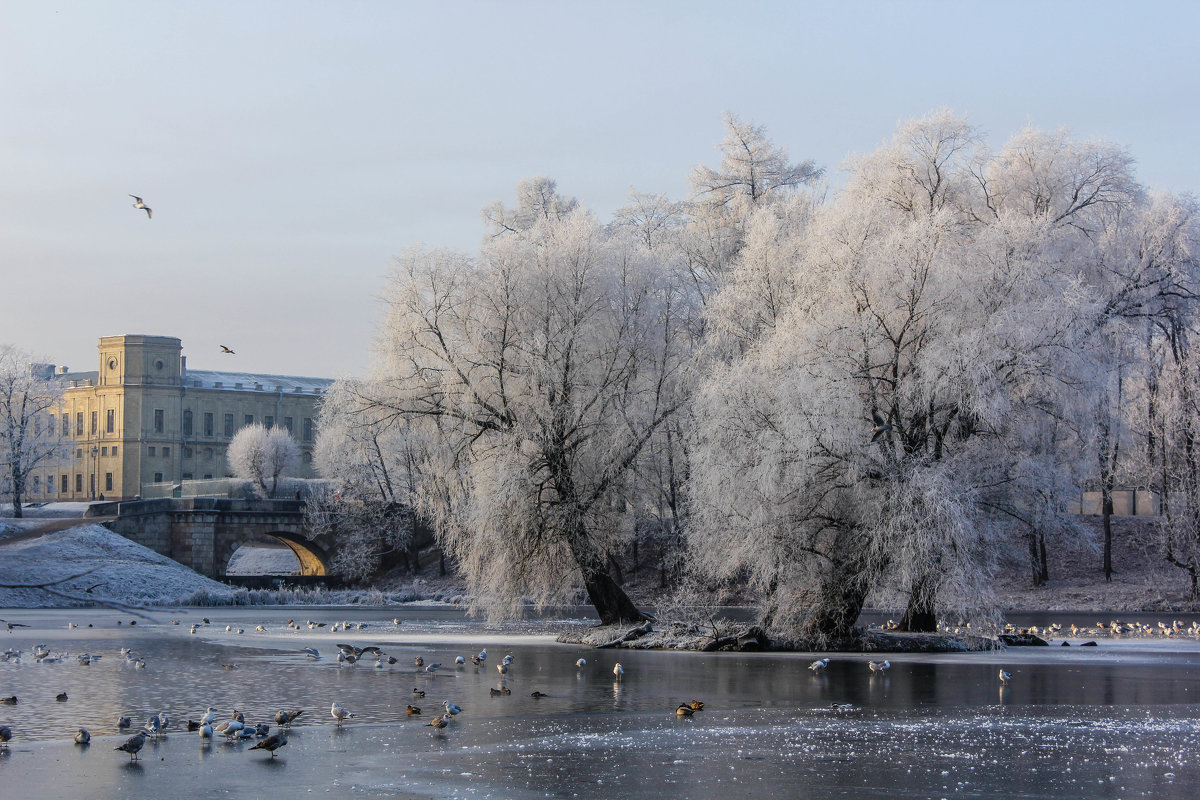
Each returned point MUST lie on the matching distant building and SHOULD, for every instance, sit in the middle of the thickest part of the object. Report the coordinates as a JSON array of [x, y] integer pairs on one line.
[[144, 418]]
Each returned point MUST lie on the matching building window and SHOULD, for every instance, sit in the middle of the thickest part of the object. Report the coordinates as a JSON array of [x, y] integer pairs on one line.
[[158, 420], [208, 477], [249, 420], [110, 420], [187, 422], [95, 422], [187, 476], [158, 477], [66, 427], [64, 484], [79, 423], [306, 458], [151, 451], [52, 427], [228, 426], [114, 450], [108, 481], [287, 423], [37, 484], [78, 482], [208, 454], [79, 452], [307, 429], [166, 452], [187, 452], [50, 484], [208, 423], [103, 451], [268, 422]]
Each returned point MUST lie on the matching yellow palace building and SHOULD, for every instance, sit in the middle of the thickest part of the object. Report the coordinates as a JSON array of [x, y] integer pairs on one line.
[[144, 418]]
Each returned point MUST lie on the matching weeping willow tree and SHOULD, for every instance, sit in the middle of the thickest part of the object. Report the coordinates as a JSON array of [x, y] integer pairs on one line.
[[881, 427], [538, 371]]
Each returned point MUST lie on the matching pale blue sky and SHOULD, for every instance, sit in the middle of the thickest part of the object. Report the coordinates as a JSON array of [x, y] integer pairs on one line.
[[290, 149]]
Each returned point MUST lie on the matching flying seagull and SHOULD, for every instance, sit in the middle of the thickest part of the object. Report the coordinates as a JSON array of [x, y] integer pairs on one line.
[[137, 203], [12, 625], [882, 426], [225, 349]]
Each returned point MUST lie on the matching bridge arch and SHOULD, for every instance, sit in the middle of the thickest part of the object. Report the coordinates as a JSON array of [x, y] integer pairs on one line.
[[311, 560]]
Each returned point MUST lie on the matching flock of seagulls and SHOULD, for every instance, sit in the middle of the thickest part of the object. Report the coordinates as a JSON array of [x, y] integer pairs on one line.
[[235, 728]]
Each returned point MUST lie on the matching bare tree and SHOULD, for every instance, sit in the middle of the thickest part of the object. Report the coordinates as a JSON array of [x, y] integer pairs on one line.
[[30, 439]]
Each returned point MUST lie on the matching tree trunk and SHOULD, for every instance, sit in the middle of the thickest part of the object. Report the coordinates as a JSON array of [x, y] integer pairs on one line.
[[1044, 566], [1107, 510], [920, 616], [839, 602], [1033, 560], [609, 599], [18, 488]]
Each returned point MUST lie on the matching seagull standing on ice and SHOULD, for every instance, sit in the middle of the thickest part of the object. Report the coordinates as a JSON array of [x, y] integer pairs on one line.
[[1005, 677], [819, 665], [137, 203], [272, 743], [618, 671], [339, 713], [879, 666], [83, 737], [133, 745]]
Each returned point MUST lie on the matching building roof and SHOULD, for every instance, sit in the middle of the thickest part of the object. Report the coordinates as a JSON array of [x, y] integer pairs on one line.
[[228, 381], [254, 382]]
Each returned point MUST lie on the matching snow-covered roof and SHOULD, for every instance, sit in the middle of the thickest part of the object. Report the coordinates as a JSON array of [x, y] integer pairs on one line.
[[254, 382], [228, 381]]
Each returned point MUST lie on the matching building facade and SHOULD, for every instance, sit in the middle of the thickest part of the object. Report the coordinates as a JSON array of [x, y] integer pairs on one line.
[[144, 418]]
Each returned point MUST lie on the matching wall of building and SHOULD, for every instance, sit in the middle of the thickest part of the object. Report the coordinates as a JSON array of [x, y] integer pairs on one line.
[[143, 418]]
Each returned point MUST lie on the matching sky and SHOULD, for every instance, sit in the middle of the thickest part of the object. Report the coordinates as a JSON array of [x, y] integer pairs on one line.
[[291, 149]]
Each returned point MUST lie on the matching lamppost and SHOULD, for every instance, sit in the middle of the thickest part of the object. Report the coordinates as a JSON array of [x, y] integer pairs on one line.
[[95, 466]]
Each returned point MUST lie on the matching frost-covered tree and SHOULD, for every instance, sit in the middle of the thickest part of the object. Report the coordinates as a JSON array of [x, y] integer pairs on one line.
[[259, 454], [371, 459], [886, 426], [754, 173], [539, 370], [30, 396]]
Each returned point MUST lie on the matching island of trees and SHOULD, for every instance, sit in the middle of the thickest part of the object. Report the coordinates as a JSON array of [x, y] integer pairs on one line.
[[814, 393]]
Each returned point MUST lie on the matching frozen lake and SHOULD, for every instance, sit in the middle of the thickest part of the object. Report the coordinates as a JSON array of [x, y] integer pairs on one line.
[[1117, 720]]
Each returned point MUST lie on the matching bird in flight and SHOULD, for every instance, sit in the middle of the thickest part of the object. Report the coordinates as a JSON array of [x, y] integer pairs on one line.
[[225, 349], [137, 203], [882, 426]]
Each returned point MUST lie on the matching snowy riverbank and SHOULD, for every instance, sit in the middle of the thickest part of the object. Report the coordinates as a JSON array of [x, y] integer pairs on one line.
[[120, 571]]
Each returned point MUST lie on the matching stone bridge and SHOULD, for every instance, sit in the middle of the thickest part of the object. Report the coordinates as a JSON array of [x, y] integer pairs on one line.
[[203, 532]]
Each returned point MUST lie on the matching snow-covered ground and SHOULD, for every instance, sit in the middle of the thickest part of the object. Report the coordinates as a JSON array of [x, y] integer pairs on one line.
[[126, 572], [121, 570], [261, 559], [43, 510]]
